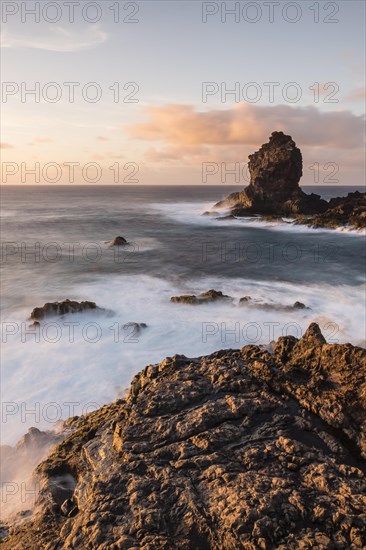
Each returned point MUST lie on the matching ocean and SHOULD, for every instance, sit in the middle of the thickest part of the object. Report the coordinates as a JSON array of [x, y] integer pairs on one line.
[[55, 246]]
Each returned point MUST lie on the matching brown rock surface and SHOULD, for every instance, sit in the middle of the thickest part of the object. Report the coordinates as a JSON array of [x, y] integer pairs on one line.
[[118, 241], [202, 298], [241, 449], [51, 309]]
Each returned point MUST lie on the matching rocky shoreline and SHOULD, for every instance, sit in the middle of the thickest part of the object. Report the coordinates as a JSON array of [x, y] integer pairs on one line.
[[252, 448], [274, 191]]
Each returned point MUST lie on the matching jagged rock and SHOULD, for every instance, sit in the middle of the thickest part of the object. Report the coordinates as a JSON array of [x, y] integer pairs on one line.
[[241, 449], [275, 172], [342, 211], [274, 191], [51, 309], [202, 298]]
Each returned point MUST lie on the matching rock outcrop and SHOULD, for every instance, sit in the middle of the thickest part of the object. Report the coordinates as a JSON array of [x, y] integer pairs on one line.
[[275, 172], [341, 211], [53, 309], [202, 298], [247, 449]]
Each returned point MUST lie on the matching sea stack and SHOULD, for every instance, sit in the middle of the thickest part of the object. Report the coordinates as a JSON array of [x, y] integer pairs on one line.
[[275, 172]]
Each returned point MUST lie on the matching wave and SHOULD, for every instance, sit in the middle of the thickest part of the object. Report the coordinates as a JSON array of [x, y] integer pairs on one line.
[[96, 365], [192, 213]]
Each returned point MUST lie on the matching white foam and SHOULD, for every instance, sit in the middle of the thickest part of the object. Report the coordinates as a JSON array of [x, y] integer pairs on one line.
[[35, 375], [192, 213]]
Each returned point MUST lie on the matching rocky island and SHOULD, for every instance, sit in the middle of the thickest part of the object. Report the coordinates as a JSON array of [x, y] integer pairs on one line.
[[275, 173], [257, 448]]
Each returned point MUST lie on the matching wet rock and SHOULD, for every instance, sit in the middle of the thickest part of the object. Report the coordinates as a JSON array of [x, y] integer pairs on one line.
[[52, 309], [342, 212], [203, 298], [244, 300], [185, 299], [299, 305], [248, 301], [224, 218], [118, 241], [134, 328], [211, 213], [240, 449]]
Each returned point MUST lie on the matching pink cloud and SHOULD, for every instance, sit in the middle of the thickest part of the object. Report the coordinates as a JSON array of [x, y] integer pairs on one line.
[[102, 138], [182, 126], [358, 94], [6, 146], [42, 139]]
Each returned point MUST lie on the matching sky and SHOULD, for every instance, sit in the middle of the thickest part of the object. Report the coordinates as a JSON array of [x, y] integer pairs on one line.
[[179, 92]]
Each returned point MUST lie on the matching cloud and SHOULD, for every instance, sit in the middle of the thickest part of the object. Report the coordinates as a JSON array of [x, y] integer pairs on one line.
[[42, 139], [58, 39], [102, 138], [98, 156], [358, 94], [180, 126], [6, 146]]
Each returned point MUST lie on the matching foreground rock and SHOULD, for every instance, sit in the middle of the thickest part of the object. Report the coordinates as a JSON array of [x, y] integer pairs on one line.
[[202, 298], [242, 449], [52, 309], [275, 172]]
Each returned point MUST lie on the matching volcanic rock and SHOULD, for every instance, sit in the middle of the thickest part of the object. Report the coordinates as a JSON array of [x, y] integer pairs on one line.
[[119, 241], [275, 172], [241, 449], [51, 309], [274, 191], [249, 302], [342, 211], [203, 298]]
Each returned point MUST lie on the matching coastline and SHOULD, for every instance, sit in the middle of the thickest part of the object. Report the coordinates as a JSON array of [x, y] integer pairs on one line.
[[291, 417]]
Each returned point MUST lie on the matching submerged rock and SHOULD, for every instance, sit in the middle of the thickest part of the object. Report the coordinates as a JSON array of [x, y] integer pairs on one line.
[[203, 298], [51, 309], [274, 191], [249, 302], [134, 328], [118, 241], [241, 449]]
